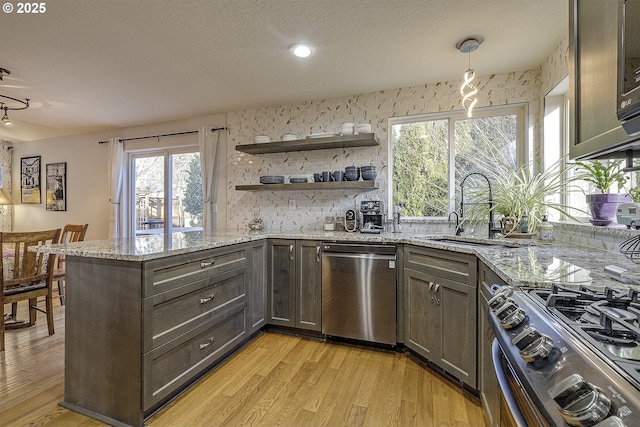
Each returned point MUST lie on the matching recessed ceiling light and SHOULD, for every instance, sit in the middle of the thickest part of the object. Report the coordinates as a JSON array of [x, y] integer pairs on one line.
[[301, 50]]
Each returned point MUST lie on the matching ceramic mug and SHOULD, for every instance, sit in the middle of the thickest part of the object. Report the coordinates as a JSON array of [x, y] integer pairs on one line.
[[326, 176], [347, 129], [317, 177], [338, 176]]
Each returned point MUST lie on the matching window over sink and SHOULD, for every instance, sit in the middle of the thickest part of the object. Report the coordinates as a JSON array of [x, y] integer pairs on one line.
[[431, 153]]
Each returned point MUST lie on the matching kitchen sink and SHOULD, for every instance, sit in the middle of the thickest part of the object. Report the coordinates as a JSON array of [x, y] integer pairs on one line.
[[479, 241]]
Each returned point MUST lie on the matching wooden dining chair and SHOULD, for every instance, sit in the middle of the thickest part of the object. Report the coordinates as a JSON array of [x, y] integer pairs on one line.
[[70, 233], [26, 275]]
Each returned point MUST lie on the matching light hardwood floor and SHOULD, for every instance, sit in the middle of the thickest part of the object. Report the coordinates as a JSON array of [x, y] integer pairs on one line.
[[276, 380]]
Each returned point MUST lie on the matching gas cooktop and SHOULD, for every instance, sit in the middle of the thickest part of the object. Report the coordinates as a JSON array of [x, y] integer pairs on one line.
[[607, 319]]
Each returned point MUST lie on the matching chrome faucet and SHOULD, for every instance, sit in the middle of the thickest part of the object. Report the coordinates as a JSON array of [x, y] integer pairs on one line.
[[492, 230], [459, 228]]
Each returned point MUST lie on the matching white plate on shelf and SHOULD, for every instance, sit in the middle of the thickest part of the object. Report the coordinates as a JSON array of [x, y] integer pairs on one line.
[[321, 135]]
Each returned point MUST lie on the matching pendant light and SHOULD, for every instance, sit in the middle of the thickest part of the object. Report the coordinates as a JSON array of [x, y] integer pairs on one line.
[[5, 119], [467, 89]]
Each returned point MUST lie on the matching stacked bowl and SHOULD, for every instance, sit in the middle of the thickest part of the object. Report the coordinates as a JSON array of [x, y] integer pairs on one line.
[[272, 179], [352, 173], [368, 173]]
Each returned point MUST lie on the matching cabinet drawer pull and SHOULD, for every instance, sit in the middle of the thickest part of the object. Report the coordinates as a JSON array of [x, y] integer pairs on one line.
[[206, 344], [431, 291], [206, 264], [318, 253], [435, 292], [207, 299], [291, 252]]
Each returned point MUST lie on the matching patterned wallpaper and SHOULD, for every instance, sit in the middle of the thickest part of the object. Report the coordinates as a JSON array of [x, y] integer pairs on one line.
[[556, 67], [326, 115], [299, 211]]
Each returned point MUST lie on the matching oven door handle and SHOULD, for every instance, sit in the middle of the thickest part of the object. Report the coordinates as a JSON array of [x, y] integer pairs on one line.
[[510, 400]]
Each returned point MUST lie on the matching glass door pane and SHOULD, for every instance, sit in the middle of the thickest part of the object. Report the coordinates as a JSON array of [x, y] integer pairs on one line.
[[149, 195], [186, 186]]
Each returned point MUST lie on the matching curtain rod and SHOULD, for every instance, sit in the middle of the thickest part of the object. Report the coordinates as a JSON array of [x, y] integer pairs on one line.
[[164, 135]]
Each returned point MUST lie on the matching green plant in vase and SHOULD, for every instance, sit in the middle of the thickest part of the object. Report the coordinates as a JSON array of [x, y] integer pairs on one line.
[[524, 196], [603, 205]]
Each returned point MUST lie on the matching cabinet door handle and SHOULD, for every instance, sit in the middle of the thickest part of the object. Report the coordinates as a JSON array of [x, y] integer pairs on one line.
[[207, 299], [435, 292], [431, 291], [291, 252], [317, 253], [206, 264], [206, 344]]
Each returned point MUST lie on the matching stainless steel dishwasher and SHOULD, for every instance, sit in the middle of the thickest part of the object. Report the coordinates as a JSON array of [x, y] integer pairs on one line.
[[359, 292]]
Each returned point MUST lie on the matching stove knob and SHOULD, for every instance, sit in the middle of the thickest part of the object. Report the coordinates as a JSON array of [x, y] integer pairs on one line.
[[510, 315], [612, 421], [580, 403], [497, 301], [532, 344]]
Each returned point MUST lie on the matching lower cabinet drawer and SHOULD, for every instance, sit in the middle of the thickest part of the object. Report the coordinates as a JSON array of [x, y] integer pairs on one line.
[[171, 366], [175, 312], [169, 273]]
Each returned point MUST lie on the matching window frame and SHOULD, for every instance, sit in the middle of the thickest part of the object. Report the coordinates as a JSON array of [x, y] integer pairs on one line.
[[520, 110]]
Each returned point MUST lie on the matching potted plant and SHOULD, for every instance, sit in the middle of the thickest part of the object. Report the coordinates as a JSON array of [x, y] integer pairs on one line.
[[603, 205], [524, 197]]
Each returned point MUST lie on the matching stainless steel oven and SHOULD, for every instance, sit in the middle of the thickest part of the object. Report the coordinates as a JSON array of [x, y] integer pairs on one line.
[[517, 409], [552, 370]]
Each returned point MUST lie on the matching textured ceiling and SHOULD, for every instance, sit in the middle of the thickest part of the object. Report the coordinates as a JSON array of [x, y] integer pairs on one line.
[[94, 65]]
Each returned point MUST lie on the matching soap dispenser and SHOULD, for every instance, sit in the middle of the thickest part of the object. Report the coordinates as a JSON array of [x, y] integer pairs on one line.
[[545, 231]]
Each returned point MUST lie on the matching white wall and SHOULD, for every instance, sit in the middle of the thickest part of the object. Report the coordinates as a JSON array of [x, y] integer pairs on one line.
[[87, 189]]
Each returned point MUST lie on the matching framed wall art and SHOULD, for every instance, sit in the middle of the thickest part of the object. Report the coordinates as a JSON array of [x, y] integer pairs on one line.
[[56, 186], [30, 179]]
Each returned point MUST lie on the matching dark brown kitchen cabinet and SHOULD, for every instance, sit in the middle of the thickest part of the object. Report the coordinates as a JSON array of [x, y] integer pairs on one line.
[[487, 379], [594, 129], [440, 307], [257, 312], [295, 286], [139, 332]]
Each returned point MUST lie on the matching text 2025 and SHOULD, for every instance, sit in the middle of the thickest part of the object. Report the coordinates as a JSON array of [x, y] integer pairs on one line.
[[31, 8]]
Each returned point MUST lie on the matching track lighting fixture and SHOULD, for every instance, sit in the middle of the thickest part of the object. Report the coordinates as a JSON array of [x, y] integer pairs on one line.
[[12, 104]]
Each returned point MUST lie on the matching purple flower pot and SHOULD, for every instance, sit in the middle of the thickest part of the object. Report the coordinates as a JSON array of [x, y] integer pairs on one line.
[[603, 206]]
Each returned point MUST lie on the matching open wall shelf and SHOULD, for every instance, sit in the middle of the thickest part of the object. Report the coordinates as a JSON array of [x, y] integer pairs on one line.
[[308, 144], [343, 185]]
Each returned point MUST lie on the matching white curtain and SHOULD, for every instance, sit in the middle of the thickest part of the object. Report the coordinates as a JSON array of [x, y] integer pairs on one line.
[[209, 158], [115, 173]]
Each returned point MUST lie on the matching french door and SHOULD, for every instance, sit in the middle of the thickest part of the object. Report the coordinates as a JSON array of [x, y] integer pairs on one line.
[[167, 192]]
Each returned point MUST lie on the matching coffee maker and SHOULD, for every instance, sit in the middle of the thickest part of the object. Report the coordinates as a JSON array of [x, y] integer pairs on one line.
[[372, 218]]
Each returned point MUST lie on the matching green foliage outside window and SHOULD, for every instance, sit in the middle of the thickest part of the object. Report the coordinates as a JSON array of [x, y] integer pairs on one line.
[[421, 152], [193, 192]]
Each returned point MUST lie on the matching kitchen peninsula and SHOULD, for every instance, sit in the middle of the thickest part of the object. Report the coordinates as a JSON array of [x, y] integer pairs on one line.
[[135, 339]]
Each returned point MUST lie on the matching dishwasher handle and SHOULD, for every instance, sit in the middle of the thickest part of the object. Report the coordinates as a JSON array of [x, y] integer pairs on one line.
[[358, 249], [358, 256]]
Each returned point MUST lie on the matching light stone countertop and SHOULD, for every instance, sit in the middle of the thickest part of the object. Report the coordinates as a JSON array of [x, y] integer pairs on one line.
[[524, 265]]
